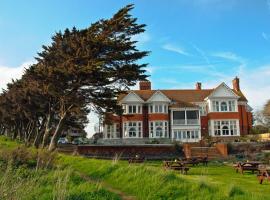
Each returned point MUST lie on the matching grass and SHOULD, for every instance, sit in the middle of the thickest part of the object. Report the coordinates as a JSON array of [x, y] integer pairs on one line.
[[150, 181]]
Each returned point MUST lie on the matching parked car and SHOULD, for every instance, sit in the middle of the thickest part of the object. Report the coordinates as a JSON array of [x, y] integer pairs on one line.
[[62, 141]]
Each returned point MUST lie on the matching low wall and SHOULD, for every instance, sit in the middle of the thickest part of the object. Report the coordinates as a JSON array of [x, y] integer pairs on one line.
[[247, 147], [149, 151]]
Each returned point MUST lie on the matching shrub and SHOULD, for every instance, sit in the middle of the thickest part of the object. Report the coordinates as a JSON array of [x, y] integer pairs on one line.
[[45, 159]]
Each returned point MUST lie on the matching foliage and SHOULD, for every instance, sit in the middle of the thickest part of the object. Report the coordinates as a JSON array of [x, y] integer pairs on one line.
[[79, 72]]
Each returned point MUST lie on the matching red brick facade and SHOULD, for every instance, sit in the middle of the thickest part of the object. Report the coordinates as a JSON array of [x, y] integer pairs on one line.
[[178, 100]]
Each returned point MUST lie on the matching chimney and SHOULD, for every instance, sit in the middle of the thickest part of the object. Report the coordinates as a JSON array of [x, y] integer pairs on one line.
[[198, 86], [236, 85], [145, 85]]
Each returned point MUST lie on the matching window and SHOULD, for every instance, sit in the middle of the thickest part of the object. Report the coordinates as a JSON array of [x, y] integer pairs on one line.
[[132, 132], [232, 106], [132, 109], [133, 129], [158, 129], [215, 106], [112, 131], [158, 108], [225, 128], [223, 106], [185, 134], [159, 132]]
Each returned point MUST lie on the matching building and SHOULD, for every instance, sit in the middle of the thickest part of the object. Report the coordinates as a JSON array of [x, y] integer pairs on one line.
[[181, 115]]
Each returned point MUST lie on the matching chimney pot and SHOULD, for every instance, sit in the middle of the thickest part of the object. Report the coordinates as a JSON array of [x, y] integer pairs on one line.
[[198, 86], [145, 85], [236, 84]]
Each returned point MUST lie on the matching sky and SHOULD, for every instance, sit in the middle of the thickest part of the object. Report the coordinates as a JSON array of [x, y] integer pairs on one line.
[[208, 41]]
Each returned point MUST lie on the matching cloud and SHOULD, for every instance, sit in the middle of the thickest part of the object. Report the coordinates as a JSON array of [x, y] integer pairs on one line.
[[9, 73], [229, 56], [176, 49], [142, 38], [265, 36]]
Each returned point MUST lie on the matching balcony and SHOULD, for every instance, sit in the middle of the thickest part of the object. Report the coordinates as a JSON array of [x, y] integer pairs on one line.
[[186, 122]]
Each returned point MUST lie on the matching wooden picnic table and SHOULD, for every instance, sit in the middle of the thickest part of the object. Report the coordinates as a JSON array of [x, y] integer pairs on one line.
[[196, 160], [176, 165], [264, 173], [247, 166]]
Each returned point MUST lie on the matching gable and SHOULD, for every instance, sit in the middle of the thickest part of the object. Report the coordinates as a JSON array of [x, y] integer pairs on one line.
[[223, 91], [158, 96], [132, 98]]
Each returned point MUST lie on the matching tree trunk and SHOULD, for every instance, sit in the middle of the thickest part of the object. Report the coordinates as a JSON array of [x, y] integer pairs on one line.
[[57, 134], [46, 135]]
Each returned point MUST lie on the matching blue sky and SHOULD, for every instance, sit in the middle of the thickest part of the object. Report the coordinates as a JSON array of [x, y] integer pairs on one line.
[[210, 41]]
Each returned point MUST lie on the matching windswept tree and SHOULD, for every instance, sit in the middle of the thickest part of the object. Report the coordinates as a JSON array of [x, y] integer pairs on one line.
[[81, 70]]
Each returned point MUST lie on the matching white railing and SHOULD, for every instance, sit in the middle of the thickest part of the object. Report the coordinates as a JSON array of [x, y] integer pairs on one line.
[[186, 122], [192, 121], [179, 121]]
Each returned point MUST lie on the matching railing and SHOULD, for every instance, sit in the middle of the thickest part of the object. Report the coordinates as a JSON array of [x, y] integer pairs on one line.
[[179, 121], [192, 121], [186, 122]]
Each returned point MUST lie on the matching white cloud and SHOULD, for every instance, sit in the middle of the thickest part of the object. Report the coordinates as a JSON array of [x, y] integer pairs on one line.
[[142, 38], [176, 49], [229, 56], [9, 73]]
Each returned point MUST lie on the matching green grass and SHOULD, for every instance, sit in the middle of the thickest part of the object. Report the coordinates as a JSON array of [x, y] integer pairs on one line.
[[150, 181]]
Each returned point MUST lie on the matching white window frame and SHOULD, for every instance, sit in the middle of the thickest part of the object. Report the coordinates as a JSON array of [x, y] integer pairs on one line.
[[217, 128], [112, 131], [158, 108], [231, 105], [186, 135], [153, 125], [138, 125], [135, 108]]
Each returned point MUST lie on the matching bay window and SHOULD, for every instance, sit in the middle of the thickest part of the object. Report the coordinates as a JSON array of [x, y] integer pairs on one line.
[[225, 128], [224, 106], [132, 109], [158, 108], [158, 129], [133, 129]]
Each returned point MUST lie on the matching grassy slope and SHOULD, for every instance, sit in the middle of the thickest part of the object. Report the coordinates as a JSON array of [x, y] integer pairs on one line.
[[23, 183], [150, 181]]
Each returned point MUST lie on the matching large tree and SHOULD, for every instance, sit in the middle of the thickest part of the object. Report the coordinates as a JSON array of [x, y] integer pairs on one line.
[[81, 70]]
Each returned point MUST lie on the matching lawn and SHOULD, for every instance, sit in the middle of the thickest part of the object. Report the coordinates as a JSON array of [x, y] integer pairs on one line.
[[150, 181]]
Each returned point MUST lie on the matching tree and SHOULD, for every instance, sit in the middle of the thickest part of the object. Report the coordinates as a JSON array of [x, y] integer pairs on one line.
[[80, 71]]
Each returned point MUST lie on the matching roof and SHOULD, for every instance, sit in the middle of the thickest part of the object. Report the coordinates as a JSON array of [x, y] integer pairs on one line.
[[180, 96], [174, 95]]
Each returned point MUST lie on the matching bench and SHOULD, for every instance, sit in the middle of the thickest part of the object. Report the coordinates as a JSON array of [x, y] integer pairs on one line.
[[247, 166], [176, 165], [196, 160]]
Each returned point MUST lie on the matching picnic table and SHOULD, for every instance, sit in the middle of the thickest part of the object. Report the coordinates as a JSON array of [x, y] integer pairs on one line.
[[196, 160], [176, 165], [136, 159], [247, 166], [264, 173]]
